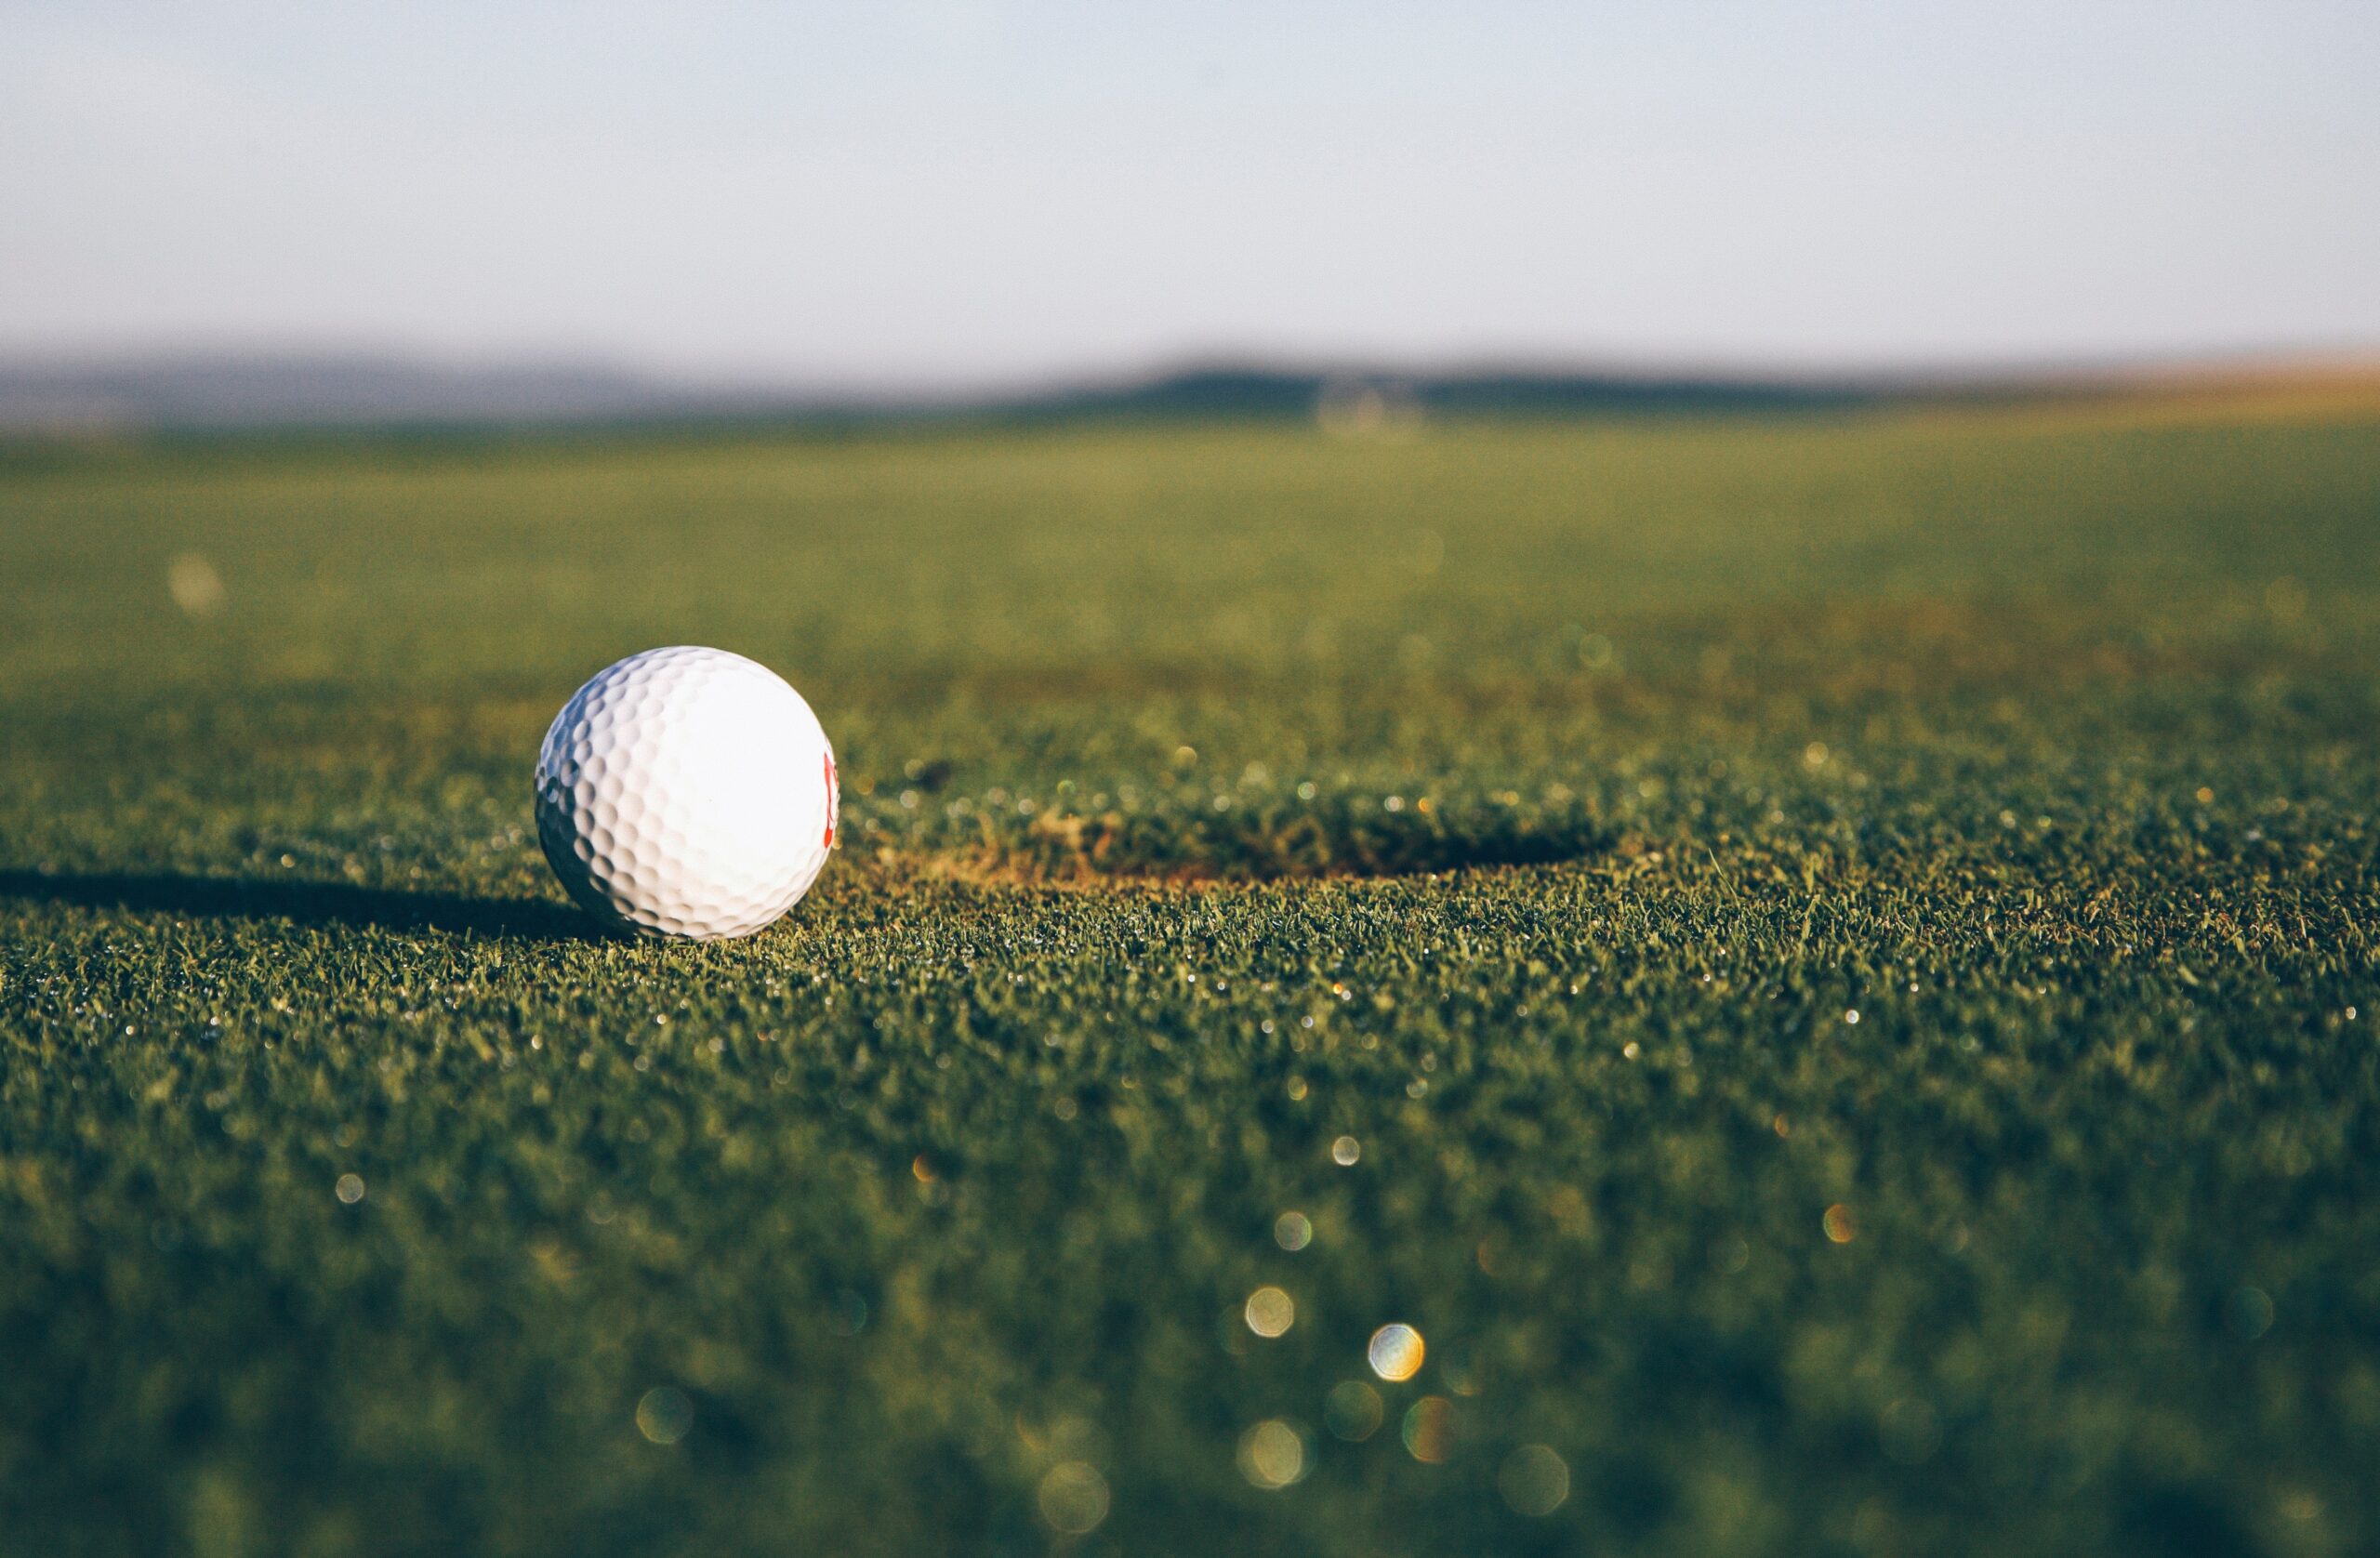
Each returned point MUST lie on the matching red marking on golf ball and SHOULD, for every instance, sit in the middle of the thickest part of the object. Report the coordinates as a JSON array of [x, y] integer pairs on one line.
[[834, 801]]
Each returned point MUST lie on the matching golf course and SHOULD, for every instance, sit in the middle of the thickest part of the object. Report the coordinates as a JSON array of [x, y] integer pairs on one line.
[[1793, 984]]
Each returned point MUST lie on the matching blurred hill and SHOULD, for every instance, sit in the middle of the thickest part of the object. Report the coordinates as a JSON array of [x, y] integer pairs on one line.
[[202, 392], [232, 392], [229, 391]]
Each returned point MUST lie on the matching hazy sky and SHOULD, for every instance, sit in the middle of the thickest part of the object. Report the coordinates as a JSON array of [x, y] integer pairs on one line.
[[935, 189]]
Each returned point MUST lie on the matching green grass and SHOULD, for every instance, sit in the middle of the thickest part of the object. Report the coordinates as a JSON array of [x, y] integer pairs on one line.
[[1534, 806]]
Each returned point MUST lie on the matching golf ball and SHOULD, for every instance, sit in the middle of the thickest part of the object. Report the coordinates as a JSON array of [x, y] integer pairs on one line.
[[687, 793]]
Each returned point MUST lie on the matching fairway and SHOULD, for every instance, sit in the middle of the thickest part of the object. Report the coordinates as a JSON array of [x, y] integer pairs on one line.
[[1824, 967]]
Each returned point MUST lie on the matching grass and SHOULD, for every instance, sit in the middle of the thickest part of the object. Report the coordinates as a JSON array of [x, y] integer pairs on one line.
[[1840, 951]]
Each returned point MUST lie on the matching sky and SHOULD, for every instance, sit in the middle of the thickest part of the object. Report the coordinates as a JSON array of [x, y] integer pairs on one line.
[[917, 193]]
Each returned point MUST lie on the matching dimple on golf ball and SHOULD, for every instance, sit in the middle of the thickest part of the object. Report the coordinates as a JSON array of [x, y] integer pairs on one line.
[[687, 793]]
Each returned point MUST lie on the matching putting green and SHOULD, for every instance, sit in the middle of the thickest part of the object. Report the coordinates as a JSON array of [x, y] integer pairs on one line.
[[1824, 970]]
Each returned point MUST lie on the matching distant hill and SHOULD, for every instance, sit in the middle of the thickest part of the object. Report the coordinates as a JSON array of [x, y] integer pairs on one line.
[[260, 391], [228, 392], [1231, 392], [241, 391]]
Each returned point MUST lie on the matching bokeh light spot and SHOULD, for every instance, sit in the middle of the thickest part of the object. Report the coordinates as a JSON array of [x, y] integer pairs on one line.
[[664, 1415], [1271, 1312], [1271, 1454], [1073, 1497], [1429, 1428], [1534, 1480], [2250, 1311], [1396, 1352], [196, 587], [1352, 1410], [1458, 1364]]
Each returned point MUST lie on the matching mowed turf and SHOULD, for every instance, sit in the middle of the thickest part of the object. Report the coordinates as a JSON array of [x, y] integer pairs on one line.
[[1826, 969]]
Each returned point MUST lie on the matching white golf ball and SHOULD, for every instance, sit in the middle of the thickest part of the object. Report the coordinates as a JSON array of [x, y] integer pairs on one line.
[[686, 792]]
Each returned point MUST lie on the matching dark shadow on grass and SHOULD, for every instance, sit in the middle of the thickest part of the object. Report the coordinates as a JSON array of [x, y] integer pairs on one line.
[[1327, 842], [306, 902]]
